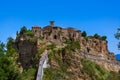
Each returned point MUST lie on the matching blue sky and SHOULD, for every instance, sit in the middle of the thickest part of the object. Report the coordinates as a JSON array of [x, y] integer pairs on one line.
[[93, 16]]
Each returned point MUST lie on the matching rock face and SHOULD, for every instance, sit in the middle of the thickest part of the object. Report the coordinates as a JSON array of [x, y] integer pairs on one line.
[[91, 48], [94, 46], [27, 50]]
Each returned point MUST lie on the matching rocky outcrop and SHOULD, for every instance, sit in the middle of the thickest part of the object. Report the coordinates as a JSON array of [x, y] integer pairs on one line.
[[94, 46], [91, 48], [27, 50], [59, 35]]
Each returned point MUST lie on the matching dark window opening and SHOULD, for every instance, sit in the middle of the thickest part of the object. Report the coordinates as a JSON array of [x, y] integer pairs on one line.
[[26, 64], [55, 37]]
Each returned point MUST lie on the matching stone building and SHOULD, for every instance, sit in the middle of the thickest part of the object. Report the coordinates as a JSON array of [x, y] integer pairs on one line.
[[37, 30]]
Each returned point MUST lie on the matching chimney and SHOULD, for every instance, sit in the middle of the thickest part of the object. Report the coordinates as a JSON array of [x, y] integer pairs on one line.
[[52, 23]]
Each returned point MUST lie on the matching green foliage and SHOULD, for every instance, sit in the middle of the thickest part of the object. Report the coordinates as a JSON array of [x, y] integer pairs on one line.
[[114, 76], [2, 48], [52, 46], [67, 41], [41, 37], [29, 74], [104, 38], [10, 42], [39, 52], [50, 74], [84, 34], [117, 35], [90, 37], [56, 73], [29, 33], [23, 30], [72, 45], [9, 69], [8, 66], [95, 71], [96, 36], [17, 33]]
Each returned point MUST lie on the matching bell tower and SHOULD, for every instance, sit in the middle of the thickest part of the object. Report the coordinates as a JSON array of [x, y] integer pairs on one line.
[[52, 23]]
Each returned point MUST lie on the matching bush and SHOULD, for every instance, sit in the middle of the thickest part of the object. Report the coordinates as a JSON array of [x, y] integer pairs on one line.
[[72, 45], [95, 71], [96, 36], [29, 33], [58, 73], [90, 37], [23, 30], [52, 46], [104, 38], [84, 34], [29, 74], [8, 65]]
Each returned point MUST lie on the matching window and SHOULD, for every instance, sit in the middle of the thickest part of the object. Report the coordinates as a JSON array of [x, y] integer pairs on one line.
[[55, 36]]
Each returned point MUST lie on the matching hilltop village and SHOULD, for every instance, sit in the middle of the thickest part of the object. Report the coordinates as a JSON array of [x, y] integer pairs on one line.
[[66, 44]]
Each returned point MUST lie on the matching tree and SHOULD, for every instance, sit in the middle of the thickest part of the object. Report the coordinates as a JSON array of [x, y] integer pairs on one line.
[[17, 33], [8, 66], [29, 33], [104, 38], [2, 48], [84, 34], [117, 36], [10, 42], [23, 30], [96, 36]]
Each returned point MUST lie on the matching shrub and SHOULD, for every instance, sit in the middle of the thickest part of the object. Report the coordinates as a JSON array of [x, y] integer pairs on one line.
[[104, 38], [29, 33], [90, 37], [84, 34], [41, 37], [95, 71], [23, 30], [52, 46], [96, 36], [29, 74]]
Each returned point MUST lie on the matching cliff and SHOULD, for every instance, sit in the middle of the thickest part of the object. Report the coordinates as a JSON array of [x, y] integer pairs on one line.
[[67, 47]]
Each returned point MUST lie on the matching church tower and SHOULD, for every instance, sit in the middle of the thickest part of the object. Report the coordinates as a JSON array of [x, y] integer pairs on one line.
[[52, 23]]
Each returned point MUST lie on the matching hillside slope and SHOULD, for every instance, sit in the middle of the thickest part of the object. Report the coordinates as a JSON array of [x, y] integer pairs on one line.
[[72, 54]]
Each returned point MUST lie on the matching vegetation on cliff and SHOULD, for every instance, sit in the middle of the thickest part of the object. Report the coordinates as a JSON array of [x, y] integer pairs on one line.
[[62, 66], [67, 61], [62, 59]]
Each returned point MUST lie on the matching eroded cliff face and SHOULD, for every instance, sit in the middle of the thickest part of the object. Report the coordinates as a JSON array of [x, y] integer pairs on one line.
[[27, 50], [94, 46], [96, 50], [93, 49]]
